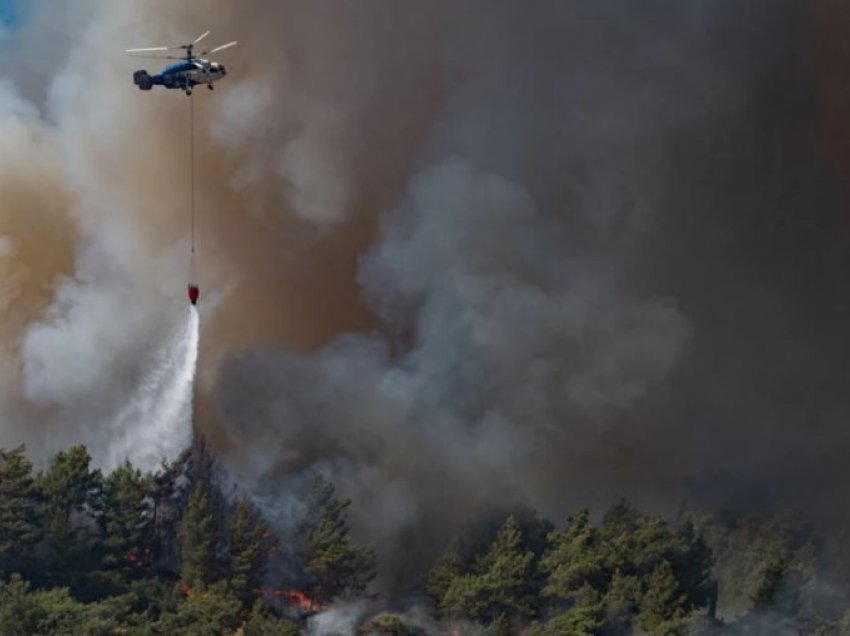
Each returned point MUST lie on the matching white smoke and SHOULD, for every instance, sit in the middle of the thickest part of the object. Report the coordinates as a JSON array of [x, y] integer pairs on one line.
[[147, 415], [339, 620], [93, 272]]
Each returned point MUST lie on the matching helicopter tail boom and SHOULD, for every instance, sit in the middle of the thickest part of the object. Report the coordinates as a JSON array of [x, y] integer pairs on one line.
[[143, 80]]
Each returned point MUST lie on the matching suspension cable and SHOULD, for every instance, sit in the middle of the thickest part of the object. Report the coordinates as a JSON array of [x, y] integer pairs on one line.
[[192, 181]]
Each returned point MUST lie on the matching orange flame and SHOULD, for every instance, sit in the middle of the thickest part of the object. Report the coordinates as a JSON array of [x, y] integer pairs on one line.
[[296, 599], [139, 561]]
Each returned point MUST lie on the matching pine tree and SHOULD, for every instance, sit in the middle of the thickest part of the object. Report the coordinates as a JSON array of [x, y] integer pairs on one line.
[[777, 589], [575, 559], [250, 543], [692, 562], [388, 625], [72, 505], [126, 524], [501, 583], [333, 563], [663, 602], [169, 492], [447, 567], [583, 618], [262, 622], [620, 522], [24, 611], [210, 611], [622, 601], [20, 528], [198, 540], [632, 562]]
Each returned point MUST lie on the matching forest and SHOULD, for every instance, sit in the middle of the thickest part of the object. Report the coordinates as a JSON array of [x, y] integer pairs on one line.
[[176, 551]]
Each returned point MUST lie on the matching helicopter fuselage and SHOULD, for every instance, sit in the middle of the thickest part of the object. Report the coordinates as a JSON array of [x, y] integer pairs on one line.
[[183, 75]]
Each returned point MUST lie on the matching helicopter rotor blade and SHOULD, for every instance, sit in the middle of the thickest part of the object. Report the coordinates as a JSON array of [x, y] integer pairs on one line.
[[154, 48], [157, 57], [180, 47], [220, 48]]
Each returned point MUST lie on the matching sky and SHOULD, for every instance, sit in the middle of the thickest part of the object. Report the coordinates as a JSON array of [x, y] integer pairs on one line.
[[10, 11], [9, 16]]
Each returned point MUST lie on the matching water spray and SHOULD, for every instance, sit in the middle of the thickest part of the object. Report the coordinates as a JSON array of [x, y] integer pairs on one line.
[[156, 423]]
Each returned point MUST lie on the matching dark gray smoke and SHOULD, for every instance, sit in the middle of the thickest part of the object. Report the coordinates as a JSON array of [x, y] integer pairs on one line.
[[460, 254], [615, 270]]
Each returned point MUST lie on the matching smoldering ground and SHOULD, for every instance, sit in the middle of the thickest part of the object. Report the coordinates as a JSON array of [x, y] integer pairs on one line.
[[458, 254]]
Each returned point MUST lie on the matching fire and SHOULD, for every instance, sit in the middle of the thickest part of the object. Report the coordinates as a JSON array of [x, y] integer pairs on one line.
[[139, 560], [299, 599], [296, 599], [188, 591]]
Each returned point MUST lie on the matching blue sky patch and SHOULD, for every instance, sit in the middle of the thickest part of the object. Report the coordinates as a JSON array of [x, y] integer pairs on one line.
[[11, 13]]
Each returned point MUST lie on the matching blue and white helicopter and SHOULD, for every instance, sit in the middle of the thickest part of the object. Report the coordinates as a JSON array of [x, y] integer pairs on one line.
[[187, 73]]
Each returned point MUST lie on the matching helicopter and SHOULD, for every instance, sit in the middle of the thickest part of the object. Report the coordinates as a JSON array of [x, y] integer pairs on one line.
[[189, 72]]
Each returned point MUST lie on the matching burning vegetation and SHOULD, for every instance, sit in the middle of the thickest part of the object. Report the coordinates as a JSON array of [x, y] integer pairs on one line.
[[297, 600], [173, 554]]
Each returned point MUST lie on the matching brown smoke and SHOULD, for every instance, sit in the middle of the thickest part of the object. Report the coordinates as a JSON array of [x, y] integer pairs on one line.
[[457, 253]]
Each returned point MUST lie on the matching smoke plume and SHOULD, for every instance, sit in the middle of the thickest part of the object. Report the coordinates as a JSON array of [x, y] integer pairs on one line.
[[456, 254]]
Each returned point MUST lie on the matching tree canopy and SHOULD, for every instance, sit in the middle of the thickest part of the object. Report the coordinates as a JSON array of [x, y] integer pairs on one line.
[[171, 552]]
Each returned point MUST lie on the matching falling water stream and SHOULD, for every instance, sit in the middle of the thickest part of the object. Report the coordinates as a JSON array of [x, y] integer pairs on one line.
[[156, 423]]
